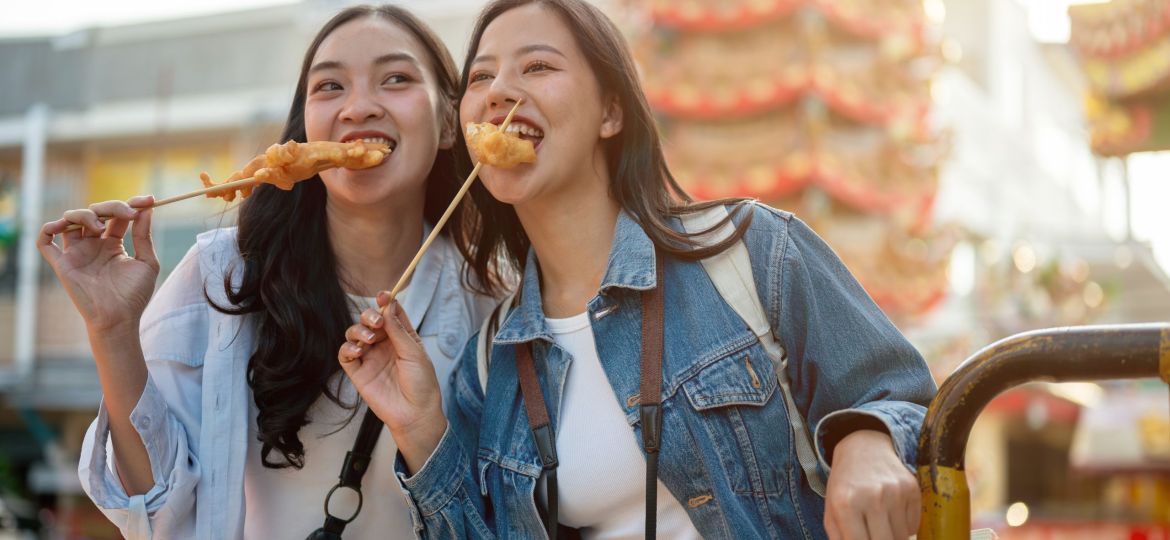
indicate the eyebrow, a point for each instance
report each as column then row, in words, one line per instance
column 384, row 59
column 523, row 50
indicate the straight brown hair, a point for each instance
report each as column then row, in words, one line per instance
column 640, row 181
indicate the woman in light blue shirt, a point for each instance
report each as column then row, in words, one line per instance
column 224, row 414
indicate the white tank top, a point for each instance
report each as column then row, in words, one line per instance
column 601, row 477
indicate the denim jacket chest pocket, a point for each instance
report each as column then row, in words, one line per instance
column 734, row 414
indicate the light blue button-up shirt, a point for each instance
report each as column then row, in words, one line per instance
column 193, row 414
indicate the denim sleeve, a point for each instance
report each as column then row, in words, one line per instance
column 444, row 496
column 851, row 368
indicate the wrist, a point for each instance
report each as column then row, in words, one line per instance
column 114, row 332
column 863, row 440
column 419, row 441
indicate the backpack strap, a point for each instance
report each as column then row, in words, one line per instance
column 731, row 272
column 487, row 335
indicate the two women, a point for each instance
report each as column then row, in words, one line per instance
column 617, row 309
column 224, row 415
column 624, row 351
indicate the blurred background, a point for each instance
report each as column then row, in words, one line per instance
column 985, row 167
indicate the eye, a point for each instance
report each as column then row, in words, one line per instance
column 326, row 86
column 478, row 76
column 539, row 65
column 397, row 78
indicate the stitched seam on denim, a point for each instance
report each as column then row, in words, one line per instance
column 530, row 470
column 744, row 341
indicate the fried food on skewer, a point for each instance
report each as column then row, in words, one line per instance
column 497, row 148
column 283, row 165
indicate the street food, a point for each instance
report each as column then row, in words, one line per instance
column 498, row 148
column 283, row 165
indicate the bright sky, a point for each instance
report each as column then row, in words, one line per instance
column 41, row 17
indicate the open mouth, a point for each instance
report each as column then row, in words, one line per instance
column 522, row 128
column 374, row 138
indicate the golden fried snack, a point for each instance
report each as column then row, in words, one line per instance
column 283, row 165
column 499, row 149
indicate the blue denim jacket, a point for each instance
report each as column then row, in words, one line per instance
column 727, row 452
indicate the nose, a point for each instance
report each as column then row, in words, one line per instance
column 503, row 93
column 360, row 106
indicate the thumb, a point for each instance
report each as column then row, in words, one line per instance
column 140, row 233
column 404, row 339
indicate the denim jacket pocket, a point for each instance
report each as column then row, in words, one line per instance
column 737, row 418
column 741, row 378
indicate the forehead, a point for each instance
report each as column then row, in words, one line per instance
column 527, row 25
column 362, row 40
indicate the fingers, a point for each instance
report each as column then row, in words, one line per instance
column 404, row 340
column 831, row 528
column 914, row 511
column 87, row 219
column 350, row 355
column 877, row 523
column 141, row 237
column 843, row 516
column 383, row 299
column 360, row 333
column 372, row 319
column 49, row 250
column 404, row 320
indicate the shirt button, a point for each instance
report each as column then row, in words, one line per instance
column 145, row 422
column 451, row 340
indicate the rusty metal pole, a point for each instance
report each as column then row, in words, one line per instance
column 1086, row 353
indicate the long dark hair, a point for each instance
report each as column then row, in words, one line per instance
column 291, row 283
column 640, row 181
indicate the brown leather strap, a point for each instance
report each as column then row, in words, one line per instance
column 653, row 312
column 651, row 392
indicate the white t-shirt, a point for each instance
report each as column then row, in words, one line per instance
column 289, row 503
column 601, row 477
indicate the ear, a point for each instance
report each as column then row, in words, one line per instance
column 448, row 127
column 611, row 119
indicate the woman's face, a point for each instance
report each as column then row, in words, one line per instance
column 369, row 80
column 529, row 53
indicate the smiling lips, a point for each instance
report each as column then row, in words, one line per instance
column 502, row 148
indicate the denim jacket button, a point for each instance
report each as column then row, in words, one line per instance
column 605, row 311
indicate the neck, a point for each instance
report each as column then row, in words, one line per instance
column 373, row 244
column 572, row 234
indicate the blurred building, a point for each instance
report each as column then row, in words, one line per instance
column 945, row 155
column 106, row 113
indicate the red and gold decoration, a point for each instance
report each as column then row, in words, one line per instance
column 816, row 106
column 1124, row 51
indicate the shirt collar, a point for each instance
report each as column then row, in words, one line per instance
column 420, row 290
column 631, row 266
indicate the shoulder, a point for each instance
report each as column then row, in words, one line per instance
column 200, row 270
column 461, row 285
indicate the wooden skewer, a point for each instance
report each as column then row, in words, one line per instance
column 443, row 220
column 162, row 202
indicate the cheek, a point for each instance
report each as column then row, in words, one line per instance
column 318, row 123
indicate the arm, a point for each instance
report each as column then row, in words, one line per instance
column 161, row 419
column 433, row 465
column 857, row 379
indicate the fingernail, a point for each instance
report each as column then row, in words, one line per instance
column 376, row 319
column 368, row 336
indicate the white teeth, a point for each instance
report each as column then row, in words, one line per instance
column 524, row 129
column 377, row 140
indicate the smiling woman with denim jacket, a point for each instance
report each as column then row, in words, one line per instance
column 611, row 287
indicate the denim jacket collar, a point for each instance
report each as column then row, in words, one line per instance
column 631, row 266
